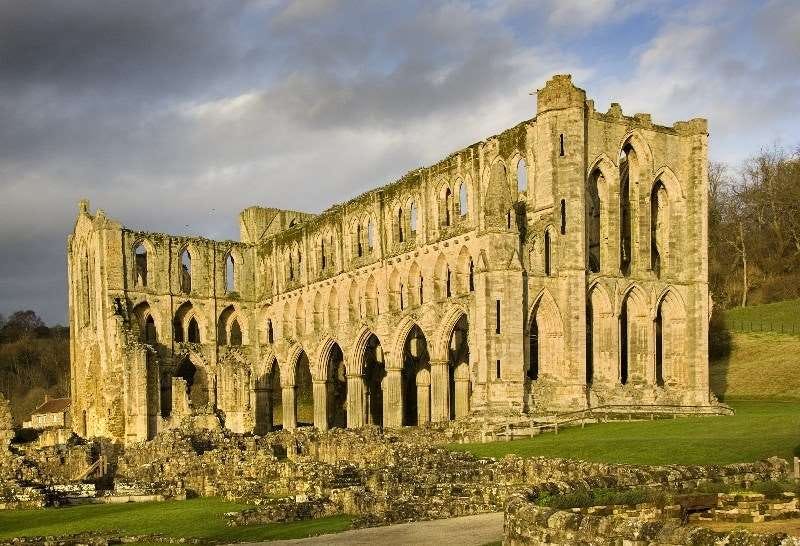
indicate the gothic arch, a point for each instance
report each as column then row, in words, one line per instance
column 292, row 356
column 148, row 264
column 319, row 318
column 441, row 338
column 545, row 350
column 333, row 308
column 642, row 148
column 403, row 328
column 395, row 296
column 356, row 356
column 441, row 273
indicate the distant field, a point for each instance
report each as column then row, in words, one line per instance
column 779, row 317
column 759, row 429
column 195, row 518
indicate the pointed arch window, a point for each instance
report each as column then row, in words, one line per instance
column 270, row 332
column 359, row 246
column 522, row 176
column 548, row 254
column 413, row 217
column 370, row 236
column 150, row 335
column 463, row 206
column 140, row 264
column 193, row 331
column 235, row 337
column 400, row 227
column 448, row 204
column 230, row 274
column 186, row 271
column 471, row 276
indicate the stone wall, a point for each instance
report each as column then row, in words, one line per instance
column 642, row 525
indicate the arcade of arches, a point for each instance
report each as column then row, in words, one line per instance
column 557, row 265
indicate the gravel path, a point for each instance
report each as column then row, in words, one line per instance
column 464, row 531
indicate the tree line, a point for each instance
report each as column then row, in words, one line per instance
column 754, row 229
column 34, row 361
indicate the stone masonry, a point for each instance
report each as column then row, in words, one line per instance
column 558, row 265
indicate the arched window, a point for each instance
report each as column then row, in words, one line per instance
column 236, row 334
column 186, row 271
column 359, row 247
column 194, row 331
column 322, row 259
column 448, row 291
column 593, row 220
column 150, row 335
column 291, row 267
column 628, row 170
column 522, row 176
column 230, row 274
column 413, row 217
column 400, row 221
column 140, row 259
column 448, row 204
column 370, row 235
column 463, row 207
column 471, row 276
column 270, row 332
column 533, row 349
column 548, row 258
column 659, row 227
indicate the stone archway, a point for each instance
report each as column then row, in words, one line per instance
column 416, row 379
column 458, row 369
column 304, row 391
column 374, row 375
column 336, row 388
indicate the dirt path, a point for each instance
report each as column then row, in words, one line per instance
column 464, row 531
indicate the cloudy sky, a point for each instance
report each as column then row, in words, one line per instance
column 174, row 115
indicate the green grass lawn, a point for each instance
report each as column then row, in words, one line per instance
column 775, row 317
column 759, row 429
column 195, row 518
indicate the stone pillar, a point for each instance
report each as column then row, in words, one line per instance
column 288, row 395
column 440, row 391
column 393, row 399
column 263, row 410
column 321, row 404
column 180, row 399
column 355, row 400
column 461, row 380
column 423, row 396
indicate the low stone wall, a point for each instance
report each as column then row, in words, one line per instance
column 529, row 524
column 750, row 508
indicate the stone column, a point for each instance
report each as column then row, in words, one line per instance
column 461, row 381
column 263, row 410
column 440, row 391
column 321, row 404
column 289, row 407
column 423, row 396
column 393, row 399
column 355, row 400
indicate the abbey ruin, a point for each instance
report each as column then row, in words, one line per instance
column 558, row 265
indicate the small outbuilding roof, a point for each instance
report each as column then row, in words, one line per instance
column 53, row 405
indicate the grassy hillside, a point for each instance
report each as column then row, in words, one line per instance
column 779, row 317
column 759, row 366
